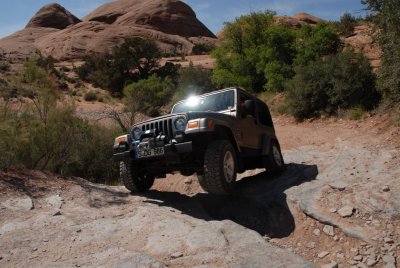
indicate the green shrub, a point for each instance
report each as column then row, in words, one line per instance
column 386, row 15
column 90, row 96
column 346, row 25
column 201, row 49
column 71, row 80
column 396, row 116
column 148, row 96
column 134, row 60
column 4, row 64
column 355, row 113
column 256, row 54
column 4, row 67
column 339, row 82
column 315, row 42
column 194, row 80
column 48, row 136
column 56, row 141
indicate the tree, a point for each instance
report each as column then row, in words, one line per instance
column 237, row 58
column 148, row 95
column 276, row 57
column 316, row 42
column 324, row 86
column 195, row 80
column 135, row 59
column 386, row 14
column 346, row 24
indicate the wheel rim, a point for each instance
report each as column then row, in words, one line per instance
column 229, row 167
column 277, row 156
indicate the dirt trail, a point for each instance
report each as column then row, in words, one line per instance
column 336, row 205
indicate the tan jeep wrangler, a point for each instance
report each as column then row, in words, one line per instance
column 215, row 135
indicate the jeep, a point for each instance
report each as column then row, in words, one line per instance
column 214, row 135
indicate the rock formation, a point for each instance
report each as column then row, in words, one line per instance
column 53, row 16
column 170, row 17
column 56, row 32
column 362, row 41
column 298, row 20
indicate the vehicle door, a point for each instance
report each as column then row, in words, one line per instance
column 247, row 131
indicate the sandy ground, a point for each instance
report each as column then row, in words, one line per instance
column 336, row 205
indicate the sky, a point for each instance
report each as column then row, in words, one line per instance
column 14, row 15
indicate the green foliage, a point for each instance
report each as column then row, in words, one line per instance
column 387, row 17
column 4, row 64
column 201, row 49
column 60, row 142
column 90, row 96
column 31, row 81
column 316, row 42
column 346, row 25
column 130, row 62
column 339, row 82
column 355, row 113
column 46, row 63
column 149, row 95
column 48, row 136
column 193, row 81
column 276, row 57
column 237, row 58
column 260, row 55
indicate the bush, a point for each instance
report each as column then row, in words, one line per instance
column 148, row 96
column 48, row 136
column 201, row 49
column 134, row 60
column 237, row 58
column 60, row 142
column 355, row 113
column 339, row 82
column 4, row 67
column 346, row 25
column 194, row 80
column 90, row 96
column 314, row 43
column 386, row 15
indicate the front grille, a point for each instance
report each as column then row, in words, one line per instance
column 162, row 126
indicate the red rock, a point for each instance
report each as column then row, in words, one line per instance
column 171, row 23
column 53, row 16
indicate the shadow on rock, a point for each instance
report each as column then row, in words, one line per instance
column 260, row 203
column 99, row 197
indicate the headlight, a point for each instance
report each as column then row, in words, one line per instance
column 120, row 139
column 137, row 133
column 180, row 123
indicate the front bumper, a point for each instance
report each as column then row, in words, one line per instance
column 169, row 149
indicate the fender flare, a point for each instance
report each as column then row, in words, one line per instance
column 266, row 142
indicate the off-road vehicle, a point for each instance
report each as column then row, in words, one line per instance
column 215, row 135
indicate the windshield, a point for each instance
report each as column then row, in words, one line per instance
column 211, row 103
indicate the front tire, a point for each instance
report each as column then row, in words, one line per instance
column 220, row 168
column 133, row 179
column 273, row 162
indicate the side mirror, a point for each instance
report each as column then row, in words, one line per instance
column 250, row 106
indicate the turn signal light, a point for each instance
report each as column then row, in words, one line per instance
column 210, row 123
column 193, row 124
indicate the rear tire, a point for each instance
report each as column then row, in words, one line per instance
column 220, row 168
column 273, row 162
column 133, row 179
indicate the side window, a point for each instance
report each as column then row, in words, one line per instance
column 243, row 99
column 264, row 116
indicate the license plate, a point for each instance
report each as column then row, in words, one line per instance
column 147, row 152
